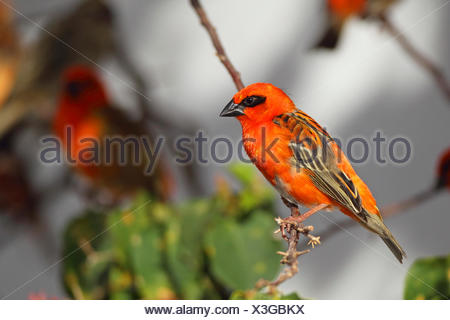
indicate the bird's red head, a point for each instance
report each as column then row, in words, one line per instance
column 83, row 88
column 346, row 8
column 258, row 103
column 82, row 94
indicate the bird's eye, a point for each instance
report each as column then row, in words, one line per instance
column 74, row 88
column 248, row 101
column 253, row 101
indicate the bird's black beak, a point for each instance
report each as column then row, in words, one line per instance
column 232, row 110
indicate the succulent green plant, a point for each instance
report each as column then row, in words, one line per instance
column 242, row 253
column 87, row 257
column 428, row 278
column 184, row 252
column 199, row 249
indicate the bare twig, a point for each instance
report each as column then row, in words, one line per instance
column 294, row 228
column 409, row 203
column 417, row 56
column 217, row 44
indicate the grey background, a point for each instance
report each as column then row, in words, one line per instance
column 368, row 84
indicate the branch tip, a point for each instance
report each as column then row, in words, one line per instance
column 220, row 51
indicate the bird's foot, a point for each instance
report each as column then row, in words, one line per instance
column 286, row 226
column 292, row 223
column 296, row 218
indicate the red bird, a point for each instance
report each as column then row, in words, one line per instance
column 340, row 11
column 304, row 163
column 84, row 107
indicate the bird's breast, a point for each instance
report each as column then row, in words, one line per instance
column 268, row 149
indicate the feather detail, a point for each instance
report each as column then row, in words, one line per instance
column 312, row 153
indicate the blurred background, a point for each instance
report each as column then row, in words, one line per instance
column 366, row 84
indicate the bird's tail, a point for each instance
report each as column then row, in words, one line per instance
column 394, row 246
column 375, row 224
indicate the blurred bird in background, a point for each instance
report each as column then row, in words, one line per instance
column 84, row 107
column 300, row 159
column 29, row 79
column 340, row 11
column 84, row 35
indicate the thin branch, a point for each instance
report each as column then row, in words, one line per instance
column 294, row 228
column 221, row 54
column 409, row 203
column 417, row 56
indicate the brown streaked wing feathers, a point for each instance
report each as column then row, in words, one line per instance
column 312, row 153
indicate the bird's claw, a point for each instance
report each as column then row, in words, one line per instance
column 284, row 228
column 290, row 223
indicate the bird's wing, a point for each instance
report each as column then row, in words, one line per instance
column 133, row 174
column 312, row 153
column 120, row 122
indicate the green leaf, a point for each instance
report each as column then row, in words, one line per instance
column 153, row 250
column 258, row 295
column 184, row 248
column 87, row 257
column 254, row 193
column 250, row 295
column 428, row 278
column 291, row 296
column 152, row 280
column 123, row 224
column 245, row 173
column 255, row 198
column 241, row 254
column 120, row 284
